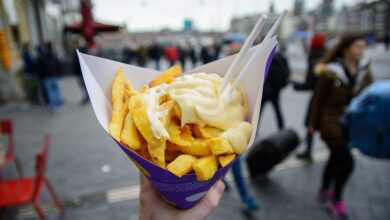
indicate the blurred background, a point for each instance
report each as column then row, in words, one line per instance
column 91, row 175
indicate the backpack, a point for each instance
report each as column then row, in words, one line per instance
column 368, row 121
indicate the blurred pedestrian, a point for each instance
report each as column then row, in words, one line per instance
column 192, row 53
column 152, row 206
column 142, row 53
column 317, row 51
column 216, row 49
column 340, row 79
column 30, row 77
column 42, row 95
column 171, row 54
column 246, row 198
column 49, row 68
column 81, row 46
column 155, row 53
column 128, row 54
column 277, row 79
column 183, row 53
column 206, row 54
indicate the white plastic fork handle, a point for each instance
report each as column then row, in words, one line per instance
column 236, row 62
column 245, row 70
column 257, row 52
column 276, row 25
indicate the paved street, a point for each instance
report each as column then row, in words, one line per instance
column 97, row 181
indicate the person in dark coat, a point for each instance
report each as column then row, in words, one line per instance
column 155, row 53
column 193, row 55
column 276, row 80
column 30, row 77
column 49, row 69
column 340, row 77
column 206, row 54
column 183, row 53
column 317, row 51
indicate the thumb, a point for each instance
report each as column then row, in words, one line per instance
column 209, row 202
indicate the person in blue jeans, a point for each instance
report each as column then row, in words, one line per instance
column 241, row 185
column 49, row 68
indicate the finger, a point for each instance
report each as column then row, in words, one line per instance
column 146, row 189
column 209, row 202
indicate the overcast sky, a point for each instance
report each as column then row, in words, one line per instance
column 144, row 15
column 141, row 15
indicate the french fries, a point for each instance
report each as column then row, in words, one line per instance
column 156, row 146
column 205, row 167
column 168, row 76
column 205, row 132
column 118, row 107
column 225, row 160
column 189, row 148
column 181, row 165
column 219, row 145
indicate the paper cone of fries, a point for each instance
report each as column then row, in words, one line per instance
column 186, row 191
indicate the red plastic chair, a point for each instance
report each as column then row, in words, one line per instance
column 23, row 191
column 6, row 129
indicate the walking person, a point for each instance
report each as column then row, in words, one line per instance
column 30, row 75
column 192, row 53
column 171, row 54
column 49, row 69
column 183, row 53
column 317, row 51
column 277, row 79
column 340, row 78
column 155, row 53
column 141, row 54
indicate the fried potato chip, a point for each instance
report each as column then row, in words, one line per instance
column 144, row 152
column 171, row 152
column 178, row 135
column 198, row 147
column 156, row 146
column 167, row 77
column 220, row 145
column 205, row 167
column 181, row 165
column 118, row 106
column 205, row 132
column 130, row 135
column 225, row 160
column 167, row 107
column 129, row 90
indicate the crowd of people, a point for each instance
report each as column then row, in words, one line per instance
column 40, row 76
column 174, row 53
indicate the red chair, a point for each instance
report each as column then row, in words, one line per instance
column 23, row 191
column 6, row 129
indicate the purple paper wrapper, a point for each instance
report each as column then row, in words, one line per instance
column 183, row 192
